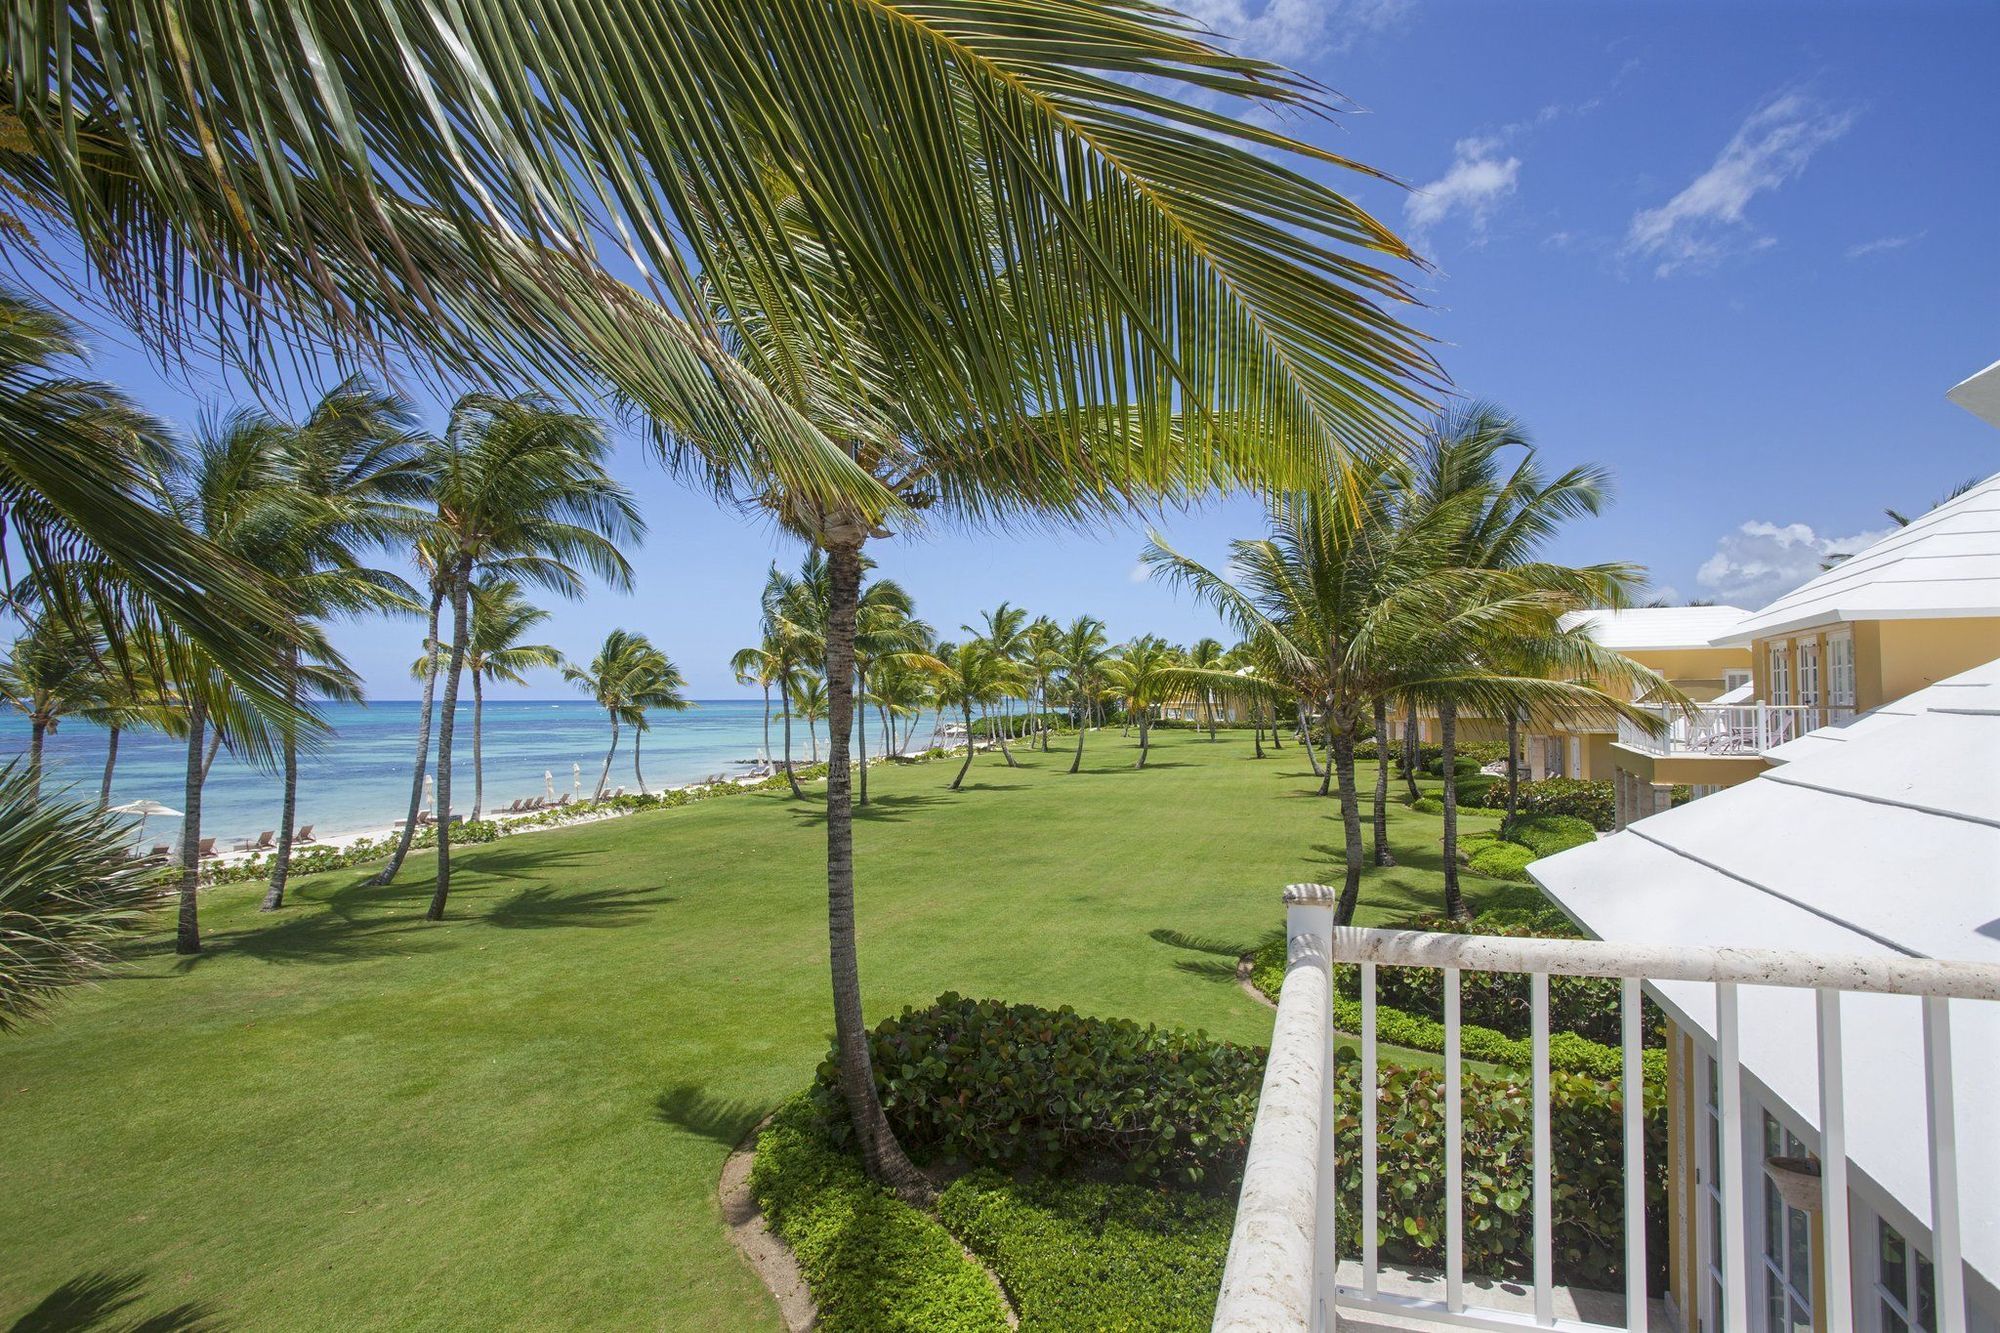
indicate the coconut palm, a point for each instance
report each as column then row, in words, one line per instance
column 1083, row 651
column 1041, row 655
column 125, row 699
column 971, row 674
column 520, row 490
column 501, row 617
column 622, row 680
column 351, row 473
column 809, row 705
column 70, row 893
column 660, row 685
column 886, row 630
column 758, row 665
column 793, row 618
column 1005, row 631
column 1206, row 655
column 1141, row 677
column 50, row 672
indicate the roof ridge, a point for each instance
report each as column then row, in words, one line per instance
column 1791, row 781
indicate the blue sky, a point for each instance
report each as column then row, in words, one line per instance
column 1736, row 253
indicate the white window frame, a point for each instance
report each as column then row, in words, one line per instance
column 1780, row 1266
column 1840, row 670
column 1886, row 1302
column 1807, row 651
column 1735, row 678
column 1780, row 659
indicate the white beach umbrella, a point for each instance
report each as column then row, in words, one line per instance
column 576, row 777
column 430, row 794
column 549, row 784
column 145, row 810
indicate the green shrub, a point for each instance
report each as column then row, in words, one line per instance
column 1588, row 1187
column 1014, row 1085
column 1501, row 860
column 1545, row 835
column 1472, row 790
column 1591, row 802
column 873, row 1262
column 1079, row 1254
column 1427, row 805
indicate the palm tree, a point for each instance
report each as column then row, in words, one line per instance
column 81, row 474
column 1042, row 655
column 809, row 705
column 50, row 672
column 1059, row 330
column 121, row 701
column 1206, row 655
column 1005, row 631
column 1141, row 677
column 521, row 490
column 501, row 617
column 1083, row 651
column 793, row 619
column 758, row 665
column 70, row 893
column 660, row 685
column 969, row 674
column 625, row 671
column 885, row 630
column 351, row 470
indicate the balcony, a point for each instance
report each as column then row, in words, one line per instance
column 1728, row 730
column 1286, row 1272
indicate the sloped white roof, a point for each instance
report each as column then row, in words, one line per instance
column 1979, row 394
column 1657, row 627
column 1884, row 841
column 1946, row 563
column 1966, row 690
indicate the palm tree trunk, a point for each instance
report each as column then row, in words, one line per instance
column 1208, row 707
column 1324, row 774
column 785, row 701
column 1454, row 898
column 964, row 767
column 214, row 745
column 1257, row 724
column 1000, row 734
column 478, row 743
column 460, row 629
column 110, row 766
column 861, row 731
column 1513, row 766
column 880, row 1153
column 1410, row 752
column 604, row 776
column 1340, row 736
column 1382, row 856
column 638, row 734
column 288, row 803
column 812, row 730
column 767, row 722
column 37, row 730
column 1145, row 732
column 1076, row 762
column 1275, row 745
column 187, row 930
column 423, row 740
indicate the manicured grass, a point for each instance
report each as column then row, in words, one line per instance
column 342, row 1116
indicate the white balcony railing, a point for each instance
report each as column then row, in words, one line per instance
column 1284, row 1273
column 1729, row 729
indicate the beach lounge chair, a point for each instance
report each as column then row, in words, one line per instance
column 564, row 800
column 619, row 792
column 204, row 849
column 305, row 834
column 257, row 844
column 160, row 852
column 513, row 808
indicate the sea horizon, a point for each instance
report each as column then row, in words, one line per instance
column 358, row 779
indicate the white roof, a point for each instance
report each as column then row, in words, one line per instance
column 1657, row 627
column 1979, row 394
column 1886, row 840
column 1946, row 563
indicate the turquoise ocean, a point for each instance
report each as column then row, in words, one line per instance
column 360, row 777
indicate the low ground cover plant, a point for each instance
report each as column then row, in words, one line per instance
column 1589, row 801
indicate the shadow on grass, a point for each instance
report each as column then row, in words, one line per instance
column 691, row 1107
column 879, row 810
column 97, row 1301
column 1180, row 939
column 542, row 908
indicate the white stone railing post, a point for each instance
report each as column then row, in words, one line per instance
column 1279, row 1275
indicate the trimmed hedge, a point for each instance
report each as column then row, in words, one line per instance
column 1079, row 1254
column 1014, row 1085
column 1501, row 860
column 875, row 1264
column 1591, row 802
column 1433, row 805
column 1545, row 834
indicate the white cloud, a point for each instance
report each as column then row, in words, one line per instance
column 1762, row 561
column 1141, row 573
column 1475, row 183
column 1706, row 221
column 1291, row 31
column 1882, row 244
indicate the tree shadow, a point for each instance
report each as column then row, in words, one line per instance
column 1180, row 939
column 543, row 907
column 691, row 1107
column 93, row 1301
column 879, row 810
column 1208, row 969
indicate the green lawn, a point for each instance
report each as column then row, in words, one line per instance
column 343, row 1116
